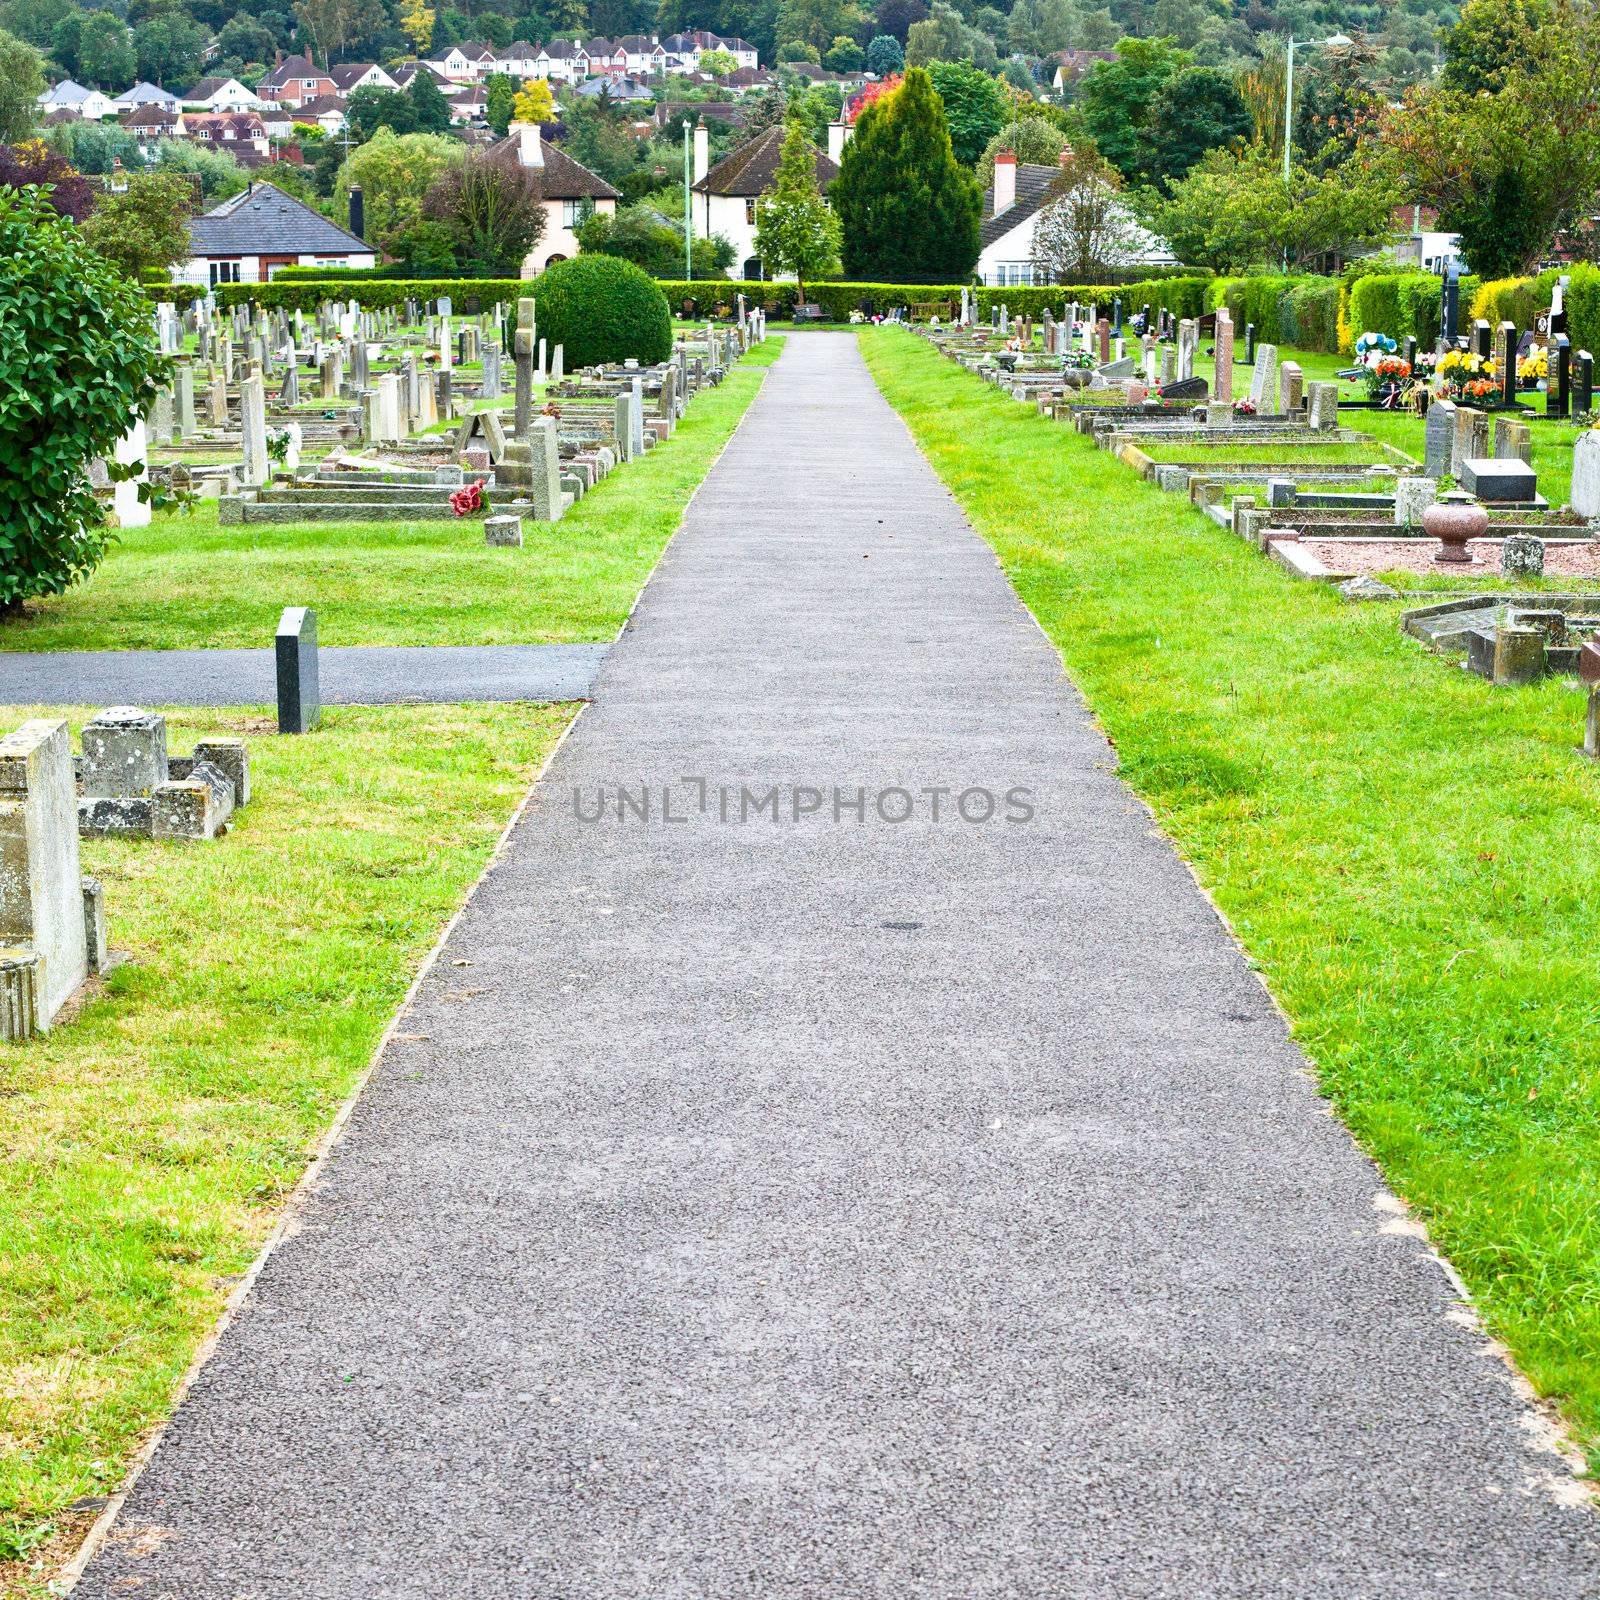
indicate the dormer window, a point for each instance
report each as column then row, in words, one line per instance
column 308, row 84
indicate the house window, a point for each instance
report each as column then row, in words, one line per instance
column 224, row 272
column 571, row 213
column 309, row 85
column 750, row 213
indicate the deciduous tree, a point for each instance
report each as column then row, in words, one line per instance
column 975, row 107
column 795, row 230
column 140, row 228
column 1084, row 231
column 21, row 84
column 493, row 213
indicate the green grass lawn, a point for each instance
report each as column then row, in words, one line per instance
column 1552, row 441
column 150, row 1143
column 1245, row 455
column 1411, row 856
column 186, row 582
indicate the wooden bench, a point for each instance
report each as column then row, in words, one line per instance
column 804, row 312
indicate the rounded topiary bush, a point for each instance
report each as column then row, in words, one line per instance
column 602, row 309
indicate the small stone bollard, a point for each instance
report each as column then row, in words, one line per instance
column 299, row 692
column 1522, row 556
column 505, row 531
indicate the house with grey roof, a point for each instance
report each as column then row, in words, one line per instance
column 147, row 94
column 250, row 235
column 220, row 94
column 70, row 99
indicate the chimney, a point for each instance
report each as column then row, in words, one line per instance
column 1005, row 181
column 838, row 136
column 530, row 148
column 358, row 212
column 702, row 150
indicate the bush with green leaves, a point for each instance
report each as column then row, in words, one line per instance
column 78, row 364
column 601, row 308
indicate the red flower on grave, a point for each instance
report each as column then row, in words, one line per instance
column 467, row 499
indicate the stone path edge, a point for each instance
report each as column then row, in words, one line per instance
column 1554, row 1432
column 72, row 1570
column 68, row 1574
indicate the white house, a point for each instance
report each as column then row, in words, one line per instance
column 221, row 95
column 1011, row 209
column 355, row 75
column 725, row 196
column 147, row 94
column 76, row 101
column 570, row 191
column 250, row 235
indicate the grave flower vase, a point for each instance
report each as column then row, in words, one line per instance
column 1453, row 524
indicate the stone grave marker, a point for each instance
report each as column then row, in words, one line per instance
column 1586, row 474
column 44, row 937
column 1438, row 439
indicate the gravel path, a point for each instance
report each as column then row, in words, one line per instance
column 350, row 675
column 926, row 1210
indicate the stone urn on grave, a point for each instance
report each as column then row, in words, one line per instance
column 1453, row 523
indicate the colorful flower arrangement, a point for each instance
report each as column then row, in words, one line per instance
column 1459, row 374
column 1244, row 408
column 1535, row 366
column 1077, row 360
column 468, row 500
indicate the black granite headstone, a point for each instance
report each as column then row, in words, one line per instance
column 1408, row 353
column 1185, row 389
column 1558, row 393
column 1450, row 305
column 1482, row 338
column 1116, row 315
column 1249, row 344
column 299, row 692
column 1582, row 383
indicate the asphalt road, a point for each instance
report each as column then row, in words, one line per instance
column 827, row 1207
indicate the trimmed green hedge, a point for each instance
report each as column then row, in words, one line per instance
column 1183, row 296
column 601, row 308
column 373, row 294
column 175, row 294
column 339, row 274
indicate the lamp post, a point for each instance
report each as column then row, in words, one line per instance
column 1288, row 91
column 688, row 207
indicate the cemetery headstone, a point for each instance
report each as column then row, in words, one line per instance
column 1264, row 378
column 1522, row 556
column 299, row 687
column 42, row 924
column 1586, row 474
column 1582, row 383
column 1438, row 439
column 1223, row 387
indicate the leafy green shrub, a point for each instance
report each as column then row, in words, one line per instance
column 602, row 308
column 78, row 364
column 1583, row 307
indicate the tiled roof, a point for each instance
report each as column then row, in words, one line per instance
column 1033, row 182
column 324, row 105
column 349, row 73
column 293, row 67
column 206, row 88
column 266, row 221
column 753, row 167
column 563, row 178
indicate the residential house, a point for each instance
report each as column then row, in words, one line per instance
column 725, row 196
column 294, row 81
column 1011, row 208
column 68, row 99
column 151, row 126
column 353, row 75
column 1070, row 65
column 147, row 94
column 233, row 131
column 565, row 63
column 462, row 63
column 674, row 113
column 745, row 79
column 644, row 57
column 469, row 105
column 404, row 74
column 569, row 188
column 250, row 235
column 219, row 95
column 328, row 112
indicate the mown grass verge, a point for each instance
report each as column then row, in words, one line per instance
column 1411, row 856
column 186, row 582
column 150, row 1143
